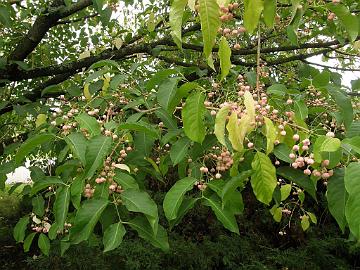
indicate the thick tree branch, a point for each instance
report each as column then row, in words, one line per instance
column 77, row 20
column 41, row 26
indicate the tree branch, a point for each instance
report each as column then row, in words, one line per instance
column 41, row 26
column 329, row 67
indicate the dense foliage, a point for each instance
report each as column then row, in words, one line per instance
column 203, row 100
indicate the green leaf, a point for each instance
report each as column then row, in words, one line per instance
column 5, row 17
column 344, row 103
column 282, row 152
column 301, row 111
column 89, row 123
column 210, row 22
column 348, row 20
column 234, row 131
column 253, row 9
column 193, row 115
column 285, row 191
column 141, row 127
column 166, row 93
column 352, row 144
column 263, row 179
column 30, row 144
column 305, row 222
column 76, row 189
column 330, row 145
column 354, row 129
column 175, row 18
column 299, row 178
column 38, row 204
column 167, row 119
column 44, row 183
column 44, row 244
column 52, row 234
column 269, row 12
column 250, row 107
column 86, row 218
column 113, row 236
column 220, row 121
column 40, row 119
column 312, row 217
column 78, row 145
column 270, row 134
column 276, row 213
column 61, row 205
column 224, row 55
column 28, row 241
column 20, row 228
column 140, row 202
column 142, row 226
column 96, row 152
column 225, row 216
column 277, row 89
column 186, row 205
column 125, row 181
column 179, row 150
column 174, row 197
column 231, row 185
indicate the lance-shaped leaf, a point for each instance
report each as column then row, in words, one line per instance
column 86, row 218
column 348, row 20
column 20, row 228
column 231, row 185
column 141, row 127
column 31, row 144
column 220, row 122
column 263, row 179
column 193, row 115
column 61, row 205
column 166, row 93
column 337, row 196
column 224, row 215
column 234, row 132
column 96, row 152
column 301, row 111
column 142, row 226
column 174, row 197
column 140, row 202
column 250, row 108
column 44, row 244
column 186, row 205
column 270, row 134
column 179, row 150
column 175, row 18
column 269, row 12
column 253, row 9
column 113, row 236
column 89, row 123
column 28, row 241
column 224, row 55
column 125, row 181
column 210, row 23
column 352, row 208
column 78, row 145
column 44, row 183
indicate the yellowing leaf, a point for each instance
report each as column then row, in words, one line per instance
column 270, row 133
column 87, row 94
column 249, row 105
column 233, row 129
column 118, row 42
column 40, row 119
column 106, row 84
column 85, row 54
column 224, row 55
column 122, row 167
column 220, row 122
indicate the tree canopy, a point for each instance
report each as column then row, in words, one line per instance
column 201, row 100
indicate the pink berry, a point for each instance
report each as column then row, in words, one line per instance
column 296, row 137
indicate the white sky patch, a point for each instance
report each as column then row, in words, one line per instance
column 347, row 76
